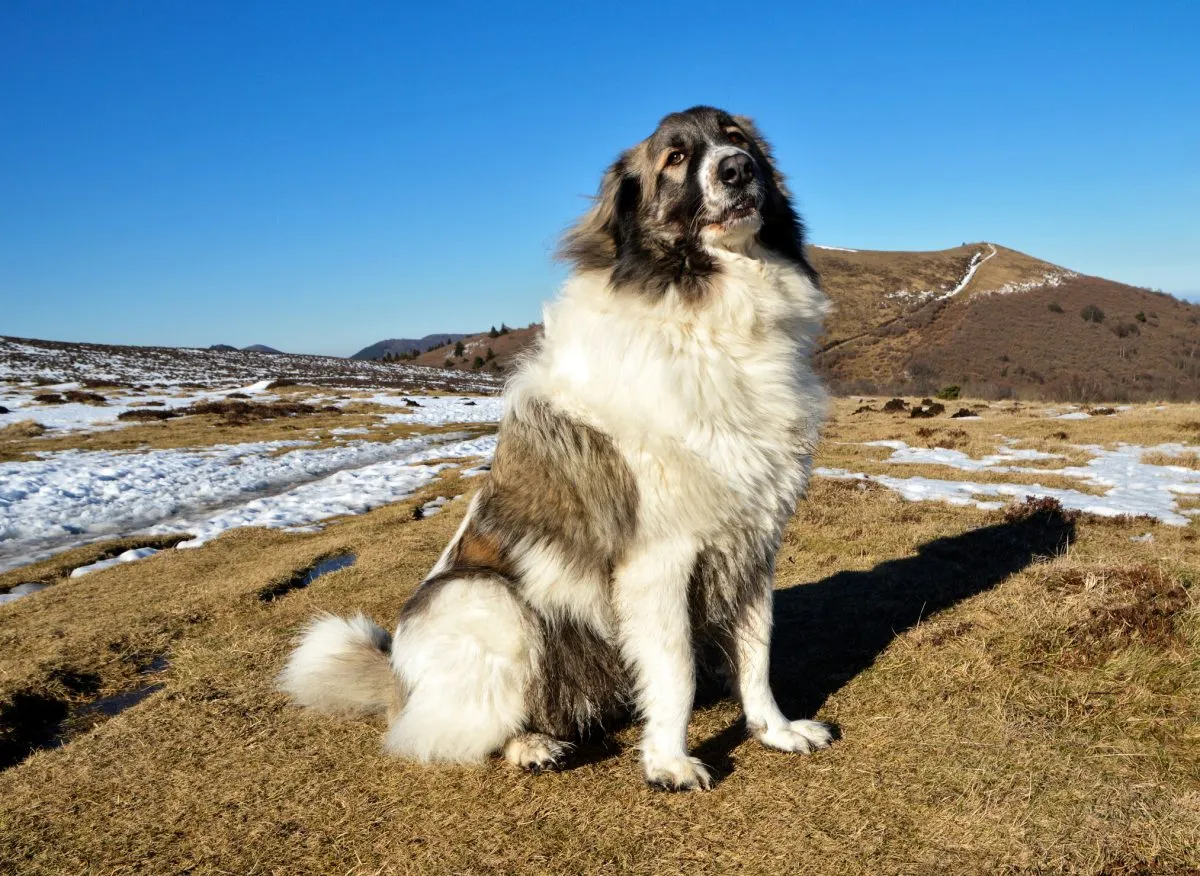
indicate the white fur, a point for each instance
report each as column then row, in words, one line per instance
column 340, row 666
column 553, row 584
column 715, row 409
column 465, row 663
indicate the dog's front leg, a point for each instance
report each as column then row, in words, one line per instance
column 752, row 653
column 654, row 633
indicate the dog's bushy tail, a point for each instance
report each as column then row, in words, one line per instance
column 342, row 665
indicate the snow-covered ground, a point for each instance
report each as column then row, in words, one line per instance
column 1048, row 279
column 61, row 499
column 22, row 405
column 1130, row 485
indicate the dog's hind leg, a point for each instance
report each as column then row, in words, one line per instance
column 464, row 652
column 752, row 655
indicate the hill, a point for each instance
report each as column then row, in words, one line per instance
column 260, row 348
column 1000, row 323
column 504, row 345
column 405, row 346
column 992, row 320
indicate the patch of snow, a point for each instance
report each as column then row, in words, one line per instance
column 21, row 590
column 999, row 461
column 834, row 248
column 1049, row 278
column 1132, row 487
column 434, row 410
column 1074, row 415
column 977, row 261
column 351, row 491
column 433, row 506
column 1144, row 538
column 127, row 557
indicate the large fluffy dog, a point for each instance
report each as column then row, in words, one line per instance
column 652, row 450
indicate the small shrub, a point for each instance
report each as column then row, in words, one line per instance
column 949, row 393
column 1092, row 313
column 478, row 363
column 1054, row 307
column 449, row 363
column 458, row 349
column 84, row 398
column 50, row 398
column 146, row 414
column 490, row 354
column 895, row 406
column 1140, row 316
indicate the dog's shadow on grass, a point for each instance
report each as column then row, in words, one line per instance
column 829, row 631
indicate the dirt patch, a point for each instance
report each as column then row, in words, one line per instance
column 236, row 412
column 146, row 414
column 1138, row 605
column 86, row 398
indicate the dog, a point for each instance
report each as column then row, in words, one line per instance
column 654, row 444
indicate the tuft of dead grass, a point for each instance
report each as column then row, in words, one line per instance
column 22, row 429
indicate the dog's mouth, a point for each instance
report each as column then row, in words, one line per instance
column 744, row 211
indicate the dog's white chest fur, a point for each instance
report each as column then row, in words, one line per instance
column 713, row 404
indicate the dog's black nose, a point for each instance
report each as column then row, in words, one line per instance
column 736, row 169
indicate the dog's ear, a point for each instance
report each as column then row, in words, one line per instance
column 594, row 243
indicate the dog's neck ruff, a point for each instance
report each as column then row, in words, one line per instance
column 634, row 364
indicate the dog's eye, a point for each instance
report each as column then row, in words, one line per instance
column 677, row 156
column 737, row 138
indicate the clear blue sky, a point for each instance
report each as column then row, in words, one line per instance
column 320, row 176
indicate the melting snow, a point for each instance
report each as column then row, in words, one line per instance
column 1131, row 486
column 127, row 557
column 21, row 590
column 70, row 497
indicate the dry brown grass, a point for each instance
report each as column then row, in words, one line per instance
column 1016, row 693
column 1187, row 460
column 21, row 429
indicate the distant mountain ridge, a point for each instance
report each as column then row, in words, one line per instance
column 404, row 346
column 253, row 348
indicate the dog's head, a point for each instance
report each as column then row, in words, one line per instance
column 703, row 180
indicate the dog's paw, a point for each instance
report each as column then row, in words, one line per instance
column 535, row 752
column 681, row 773
column 800, row 736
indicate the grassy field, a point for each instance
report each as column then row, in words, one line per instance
column 1017, row 690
